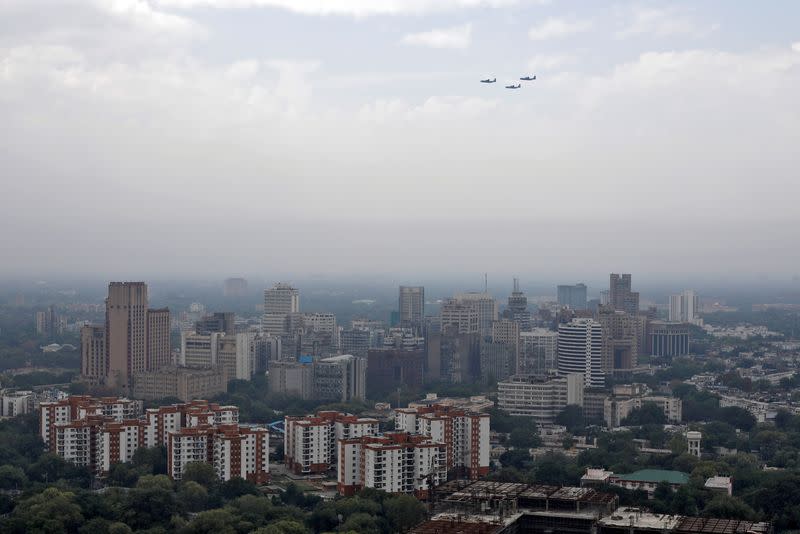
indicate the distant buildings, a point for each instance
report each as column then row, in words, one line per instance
column 49, row 323
column 238, row 355
column 135, row 338
column 620, row 296
column 572, row 296
column 620, row 339
column 668, row 339
column 463, row 316
column 218, row 322
column 484, row 305
column 340, row 378
column 411, row 306
column 280, row 301
column 453, row 355
column 538, row 397
column 235, row 287
column 580, row 350
column 182, row 383
column 389, row 369
column 517, row 309
column 538, row 351
column 685, row 307
column 628, row 397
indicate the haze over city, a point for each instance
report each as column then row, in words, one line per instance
column 205, row 137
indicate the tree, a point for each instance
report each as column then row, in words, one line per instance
column 403, row 512
column 649, row 414
column 284, row 526
column 572, row 418
column 526, row 436
column 193, row 496
column 236, row 487
column 219, row 521
column 517, row 458
column 12, row 477
column 737, row 418
column 201, row 472
column 52, row 511
column 727, row 507
column 359, row 522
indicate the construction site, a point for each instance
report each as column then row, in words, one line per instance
column 487, row 507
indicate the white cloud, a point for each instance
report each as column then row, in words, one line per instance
column 454, row 37
column 555, row 27
column 549, row 61
column 143, row 15
column 357, row 8
column 796, row 46
column 662, row 22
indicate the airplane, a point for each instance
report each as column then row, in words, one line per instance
column 514, row 86
column 487, row 80
column 527, row 78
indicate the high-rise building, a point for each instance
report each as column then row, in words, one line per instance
column 537, row 355
column 93, row 354
column 573, row 297
column 292, row 378
column 340, row 378
column 280, row 301
column 684, row 307
column 517, row 309
column 235, row 287
column 485, row 306
column 218, row 322
column 183, row 383
column 49, row 323
column 355, row 342
column 238, row 356
column 620, row 339
column 137, row 338
column 411, row 306
column 580, row 350
column 620, row 296
column 389, row 369
column 464, row 316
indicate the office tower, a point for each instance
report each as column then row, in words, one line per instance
column 325, row 328
column 411, row 306
column 235, row 287
column 355, row 342
column 580, row 350
column 389, row 369
column 159, row 353
column 340, row 378
column 218, row 322
column 684, row 307
column 537, row 354
column 279, row 302
column 93, row 354
column 498, row 361
column 454, row 356
column 485, row 306
column 603, row 300
column 464, row 316
column 518, row 308
column 183, row 383
column 292, row 378
column 573, row 297
column 237, row 356
column 668, row 339
column 620, row 339
column 620, row 296
column 126, row 331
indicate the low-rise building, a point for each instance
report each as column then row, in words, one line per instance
column 616, row 409
column 14, row 403
column 540, row 398
column 720, row 485
column 183, row 383
column 643, row 479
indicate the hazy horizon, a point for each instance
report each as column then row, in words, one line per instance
column 203, row 138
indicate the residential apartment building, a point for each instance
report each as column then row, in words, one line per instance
column 310, row 442
column 465, row 435
column 396, row 462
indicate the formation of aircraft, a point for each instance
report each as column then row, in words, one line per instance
column 512, row 86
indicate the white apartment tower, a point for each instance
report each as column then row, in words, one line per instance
column 684, row 307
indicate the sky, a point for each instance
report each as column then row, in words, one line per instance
column 296, row 137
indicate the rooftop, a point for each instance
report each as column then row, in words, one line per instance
column 655, row 475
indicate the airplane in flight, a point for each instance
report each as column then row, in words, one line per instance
column 528, row 78
column 487, row 80
column 514, row 86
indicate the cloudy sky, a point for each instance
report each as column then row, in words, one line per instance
column 338, row 136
